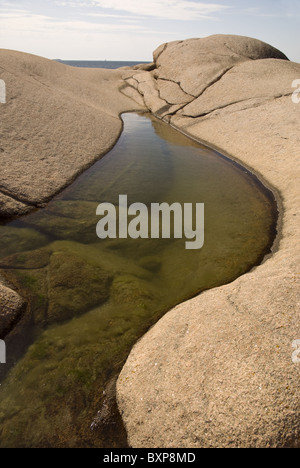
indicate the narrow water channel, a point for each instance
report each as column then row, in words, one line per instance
column 91, row 299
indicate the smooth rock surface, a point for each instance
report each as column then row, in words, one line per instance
column 217, row 371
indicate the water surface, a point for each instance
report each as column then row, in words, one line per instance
column 108, row 64
column 91, row 299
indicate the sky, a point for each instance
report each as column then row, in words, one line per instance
column 132, row 29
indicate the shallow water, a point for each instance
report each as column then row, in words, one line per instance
column 91, row 299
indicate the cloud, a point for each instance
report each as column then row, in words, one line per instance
column 185, row 10
column 121, row 18
column 22, row 21
column 74, row 39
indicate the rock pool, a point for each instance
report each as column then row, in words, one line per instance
column 90, row 300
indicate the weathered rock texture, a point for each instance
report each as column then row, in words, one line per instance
column 217, row 371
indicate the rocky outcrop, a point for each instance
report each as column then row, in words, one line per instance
column 187, row 73
column 217, row 371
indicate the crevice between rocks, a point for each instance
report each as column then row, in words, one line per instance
column 177, row 83
column 160, row 53
column 18, row 199
column 266, row 99
column 215, row 80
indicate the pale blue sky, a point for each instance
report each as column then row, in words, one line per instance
column 132, row 29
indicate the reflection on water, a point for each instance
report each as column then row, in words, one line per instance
column 91, row 299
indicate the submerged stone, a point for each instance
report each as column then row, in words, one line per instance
column 14, row 239
column 70, row 220
column 74, row 286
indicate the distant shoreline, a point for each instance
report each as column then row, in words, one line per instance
column 108, row 64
